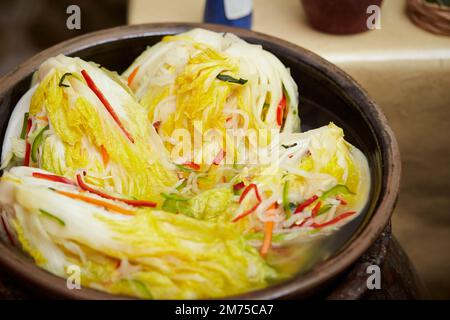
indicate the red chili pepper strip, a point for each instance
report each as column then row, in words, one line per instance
column 246, row 213
column 268, row 231
column 105, row 102
column 243, row 195
column 192, row 165
column 316, row 209
column 305, row 203
column 333, row 221
column 156, row 125
column 280, row 110
column 218, row 159
column 239, row 186
column 135, row 203
column 52, row 177
column 247, row 190
column 26, row 161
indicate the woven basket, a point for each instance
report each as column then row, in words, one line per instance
column 429, row 16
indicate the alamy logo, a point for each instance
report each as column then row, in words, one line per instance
column 374, row 280
column 73, row 22
column 374, row 20
column 74, row 277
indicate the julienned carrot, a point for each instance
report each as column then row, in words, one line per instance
column 105, row 155
column 44, row 118
column 136, row 203
column 342, row 200
column 273, row 206
column 105, row 103
column 132, row 75
column 96, row 202
column 268, row 230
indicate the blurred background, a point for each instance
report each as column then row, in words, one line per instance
column 404, row 64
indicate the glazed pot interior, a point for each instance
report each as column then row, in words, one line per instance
column 326, row 94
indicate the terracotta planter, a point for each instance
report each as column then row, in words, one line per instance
column 338, row 16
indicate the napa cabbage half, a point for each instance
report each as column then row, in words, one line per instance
column 82, row 130
column 322, row 158
column 176, row 81
column 153, row 254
